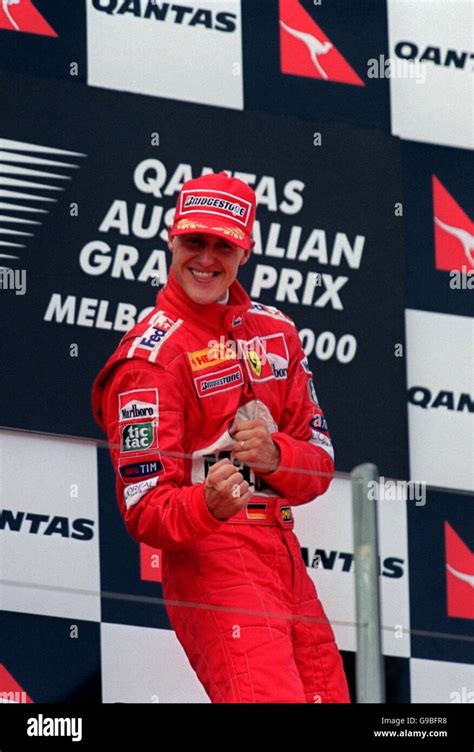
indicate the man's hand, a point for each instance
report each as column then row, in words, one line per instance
column 226, row 490
column 254, row 446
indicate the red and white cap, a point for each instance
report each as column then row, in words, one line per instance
column 219, row 205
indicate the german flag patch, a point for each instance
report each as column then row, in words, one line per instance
column 256, row 511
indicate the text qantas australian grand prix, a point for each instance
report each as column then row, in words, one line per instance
column 286, row 240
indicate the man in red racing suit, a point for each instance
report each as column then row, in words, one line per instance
column 215, row 432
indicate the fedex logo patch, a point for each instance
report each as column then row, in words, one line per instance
column 153, row 336
column 159, row 327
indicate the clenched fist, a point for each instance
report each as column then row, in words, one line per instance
column 254, row 446
column 225, row 490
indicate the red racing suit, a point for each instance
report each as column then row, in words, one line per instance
column 237, row 592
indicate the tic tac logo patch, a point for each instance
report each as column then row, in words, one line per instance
column 137, row 437
column 135, row 470
column 138, row 403
column 219, row 381
column 200, row 359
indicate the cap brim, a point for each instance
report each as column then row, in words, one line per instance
column 202, row 225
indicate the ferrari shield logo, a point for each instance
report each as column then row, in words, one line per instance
column 255, row 362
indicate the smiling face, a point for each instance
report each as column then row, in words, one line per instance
column 205, row 265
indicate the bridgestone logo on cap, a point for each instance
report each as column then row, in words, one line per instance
column 220, row 203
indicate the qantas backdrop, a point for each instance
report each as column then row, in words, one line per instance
column 352, row 121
